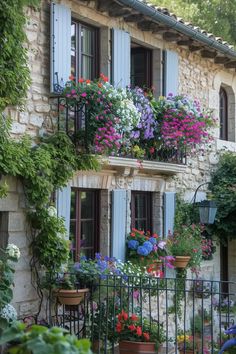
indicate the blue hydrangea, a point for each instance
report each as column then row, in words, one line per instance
column 148, row 245
column 133, row 244
column 142, row 251
column 153, row 240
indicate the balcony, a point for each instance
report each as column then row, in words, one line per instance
column 78, row 123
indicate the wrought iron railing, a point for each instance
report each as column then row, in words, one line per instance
column 75, row 120
column 198, row 308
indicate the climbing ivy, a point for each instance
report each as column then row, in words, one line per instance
column 14, row 71
column 42, row 168
column 223, row 188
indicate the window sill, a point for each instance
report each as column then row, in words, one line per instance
column 149, row 167
column 225, row 145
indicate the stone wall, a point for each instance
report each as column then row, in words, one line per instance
column 198, row 77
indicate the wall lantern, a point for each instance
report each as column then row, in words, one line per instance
column 207, row 208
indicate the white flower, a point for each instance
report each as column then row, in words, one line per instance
column 52, row 211
column 162, row 245
column 8, row 312
column 13, row 251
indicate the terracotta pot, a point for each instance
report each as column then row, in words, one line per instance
column 128, row 347
column 181, row 261
column 70, row 297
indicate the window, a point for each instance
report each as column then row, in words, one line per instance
column 223, row 114
column 141, row 67
column 84, row 53
column 141, row 211
column 84, row 222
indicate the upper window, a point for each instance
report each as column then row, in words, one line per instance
column 223, row 114
column 141, row 67
column 84, row 222
column 84, row 53
column 141, row 211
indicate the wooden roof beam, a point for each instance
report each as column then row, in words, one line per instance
column 208, row 54
column 171, row 36
column 221, row 60
column 230, row 65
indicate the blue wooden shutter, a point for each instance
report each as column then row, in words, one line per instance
column 63, row 206
column 60, row 42
column 118, row 224
column 171, row 73
column 121, row 49
column 169, row 212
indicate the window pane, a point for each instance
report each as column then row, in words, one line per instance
column 73, row 49
column 87, row 205
column 87, row 67
column 140, row 206
column 73, row 205
column 141, row 225
column 87, row 41
column 73, row 238
column 87, row 234
column 141, row 67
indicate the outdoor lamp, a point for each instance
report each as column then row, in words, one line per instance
column 207, row 208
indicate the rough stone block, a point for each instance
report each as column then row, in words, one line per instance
column 19, row 239
column 37, row 121
column 10, row 203
column 23, row 290
column 28, row 308
column 16, row 221
column 32, row 36
column 42, row 108
column 24, row 117
column 18, row 128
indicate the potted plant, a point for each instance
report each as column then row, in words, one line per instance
column 135, row 336
column 148, row 251
column 186, row 344
column 185, row 246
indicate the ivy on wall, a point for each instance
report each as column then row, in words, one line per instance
column 223, row 188
column 43, row 168
column 14, row 71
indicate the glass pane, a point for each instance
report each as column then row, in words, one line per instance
column 87, row 234
column 73, row 238
column 89, row 253
column 87, row 205
column 73, row 205
column 141, row 225
column 87, row 67
column 73, row 49
column 140, row 206
column 87, row 40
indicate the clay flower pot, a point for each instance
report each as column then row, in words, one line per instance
column 128, row 347
column 70, row 297
column 181, row 261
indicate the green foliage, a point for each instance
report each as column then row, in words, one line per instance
column 215, row 16
column 39, row 339
column 14, row 72
column 223, row 188
column 43, row 169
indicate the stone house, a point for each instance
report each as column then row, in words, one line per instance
column 135, row 43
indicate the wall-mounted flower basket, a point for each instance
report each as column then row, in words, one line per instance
column 181, row 261
column 127, row 347
column 71, row 297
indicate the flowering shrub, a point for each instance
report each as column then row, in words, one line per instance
column 146, row 249
column 129, row 327
column 183, row 122
column 8, row 257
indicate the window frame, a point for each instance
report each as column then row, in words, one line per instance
column 78, row 51
column 148, row 67
column 78, row 220
column 223, row 110
column 149, row 209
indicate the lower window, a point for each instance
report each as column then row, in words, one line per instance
column 84, row 222
column 141, row 211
